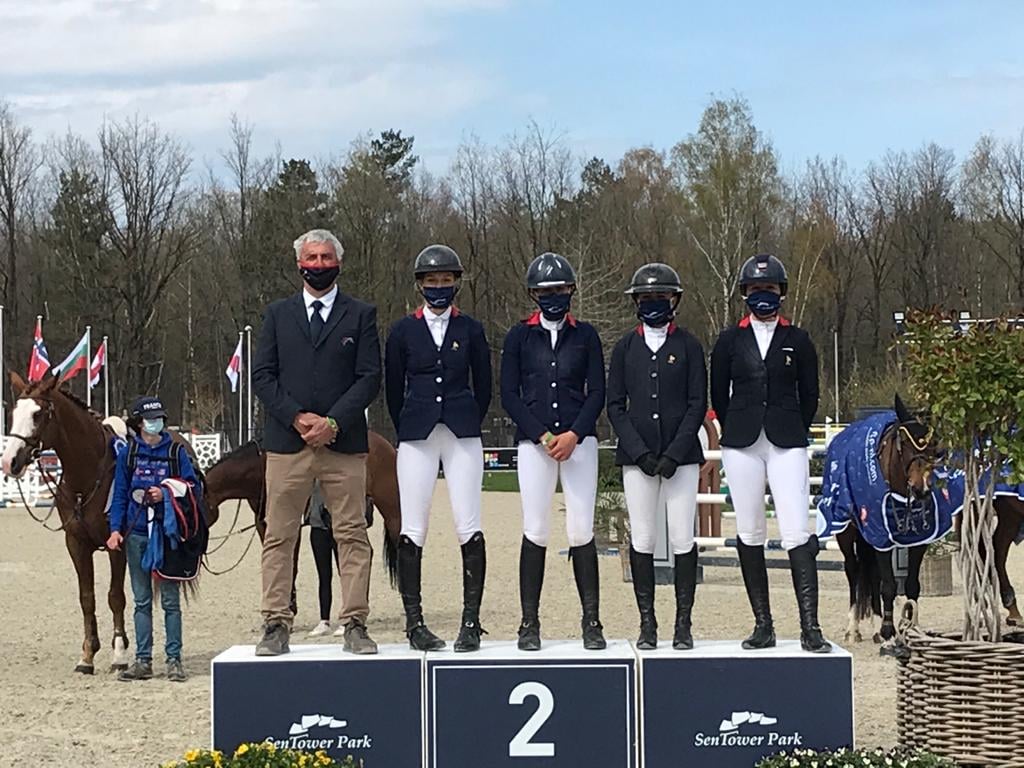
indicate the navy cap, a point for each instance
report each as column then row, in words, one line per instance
column 148, row 407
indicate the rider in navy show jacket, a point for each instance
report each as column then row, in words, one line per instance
column 425, row 387
column 552, row 390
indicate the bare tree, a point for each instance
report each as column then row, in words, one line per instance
column 151, row 231
column 19, row 161
column 728, row 176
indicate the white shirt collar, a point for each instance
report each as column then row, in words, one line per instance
column 327, row 300
column 650, row 330
column 432, row 318
column 764, row 325
column 551, row 325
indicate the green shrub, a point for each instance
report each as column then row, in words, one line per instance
column 855, row 758
column 259, row 755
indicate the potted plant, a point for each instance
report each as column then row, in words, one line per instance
column 958, row 693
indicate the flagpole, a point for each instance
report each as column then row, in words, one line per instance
column 240, row 419
column 88, row 364
column 248, row 373
column 106, row 380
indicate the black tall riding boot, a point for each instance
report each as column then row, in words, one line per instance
column 642, row 567
column 409, row 560
column 686, row 591
column 755, row 579
column 805, row 583
column 531, row 579
column 474, row 566
column 584, row 568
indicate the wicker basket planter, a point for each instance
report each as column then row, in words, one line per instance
column 937, row 576
column 962, row 700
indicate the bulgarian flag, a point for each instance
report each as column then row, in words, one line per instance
column 77, row 361
column 99, row 363
column 235, row 366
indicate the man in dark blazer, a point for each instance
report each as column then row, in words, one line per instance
column 316, row 370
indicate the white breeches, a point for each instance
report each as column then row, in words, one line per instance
column 463, row 461
column 538, row 477
column 645, row 495
column 788, row 474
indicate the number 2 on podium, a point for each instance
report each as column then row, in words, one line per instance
column 521, row 746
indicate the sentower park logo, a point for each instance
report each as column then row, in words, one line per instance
column 748, row 729
column 317, row 731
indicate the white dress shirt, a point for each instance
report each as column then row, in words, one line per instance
column 437, row 324
column 327, row 301
column 552, row 327
column 654, row 338
column 763, row 332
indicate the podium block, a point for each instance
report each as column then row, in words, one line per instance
column 317, row 697
column 560, row 706
column 719, row 706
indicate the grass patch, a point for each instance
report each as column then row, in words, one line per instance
column 505, row 481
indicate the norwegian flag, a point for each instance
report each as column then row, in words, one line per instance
column 234, row 367
column 39, row 362
column 99, row 363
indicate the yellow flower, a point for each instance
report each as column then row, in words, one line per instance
column 191, row 755
column 270, row 747
column 242, row 749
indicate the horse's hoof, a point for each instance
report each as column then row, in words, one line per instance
column 887, row 649
column 877, row 638
column 118, row 667
column 1014, row 621
column 85, row 669
column 855, row 637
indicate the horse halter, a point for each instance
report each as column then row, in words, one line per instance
column 35, row 442
column 919, row 443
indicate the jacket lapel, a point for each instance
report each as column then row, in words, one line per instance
column 778, row 339
column 338, row 310
column 298, row 309
column 748, row 342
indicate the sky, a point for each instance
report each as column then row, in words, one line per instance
column 852, row 79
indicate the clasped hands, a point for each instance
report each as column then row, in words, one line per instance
column 652, row 465
column 316, row 430
column 560, row 447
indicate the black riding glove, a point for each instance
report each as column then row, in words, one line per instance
column 667, row 467
column 648, row 464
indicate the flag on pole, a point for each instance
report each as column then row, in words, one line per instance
column 235, row 366
column 77, row 360
column 39, row 362
column 99, row 363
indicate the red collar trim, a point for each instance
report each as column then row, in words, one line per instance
column 534, row 319
column 671, row 329
column 745, row 322
column 420, row 311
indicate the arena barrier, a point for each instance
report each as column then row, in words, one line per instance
column 715, row 706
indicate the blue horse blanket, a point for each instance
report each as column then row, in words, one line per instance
column 854, row 491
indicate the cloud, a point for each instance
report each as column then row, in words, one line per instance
column 295, row 68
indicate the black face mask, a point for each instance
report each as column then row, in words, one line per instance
column 320, row 278
column 555, row 306
column 655, row 312
column 439, row 297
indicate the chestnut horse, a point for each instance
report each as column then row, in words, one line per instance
column 44, row 418
column 240, row 475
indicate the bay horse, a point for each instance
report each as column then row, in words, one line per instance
column 46, row 417
column 241, row 475
column 906, row 455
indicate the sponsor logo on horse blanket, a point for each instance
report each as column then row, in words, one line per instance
column 854, row 490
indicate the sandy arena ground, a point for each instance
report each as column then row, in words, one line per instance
column 50, row 715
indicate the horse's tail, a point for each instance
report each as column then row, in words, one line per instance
column 390, row 557
column 869, row 580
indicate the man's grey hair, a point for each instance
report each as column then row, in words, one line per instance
column 318, row 236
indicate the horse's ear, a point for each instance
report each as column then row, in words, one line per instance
column 49, row 384
column 18, row 384
column 902, row 412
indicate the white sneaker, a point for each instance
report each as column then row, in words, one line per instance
column 340, row 631
column 320, row 629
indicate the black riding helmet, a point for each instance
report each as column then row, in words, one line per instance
column 655, row 278
column 437, row 258
column 549, row 269
column 763, row 268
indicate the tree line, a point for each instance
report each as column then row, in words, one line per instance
column 171, row 255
